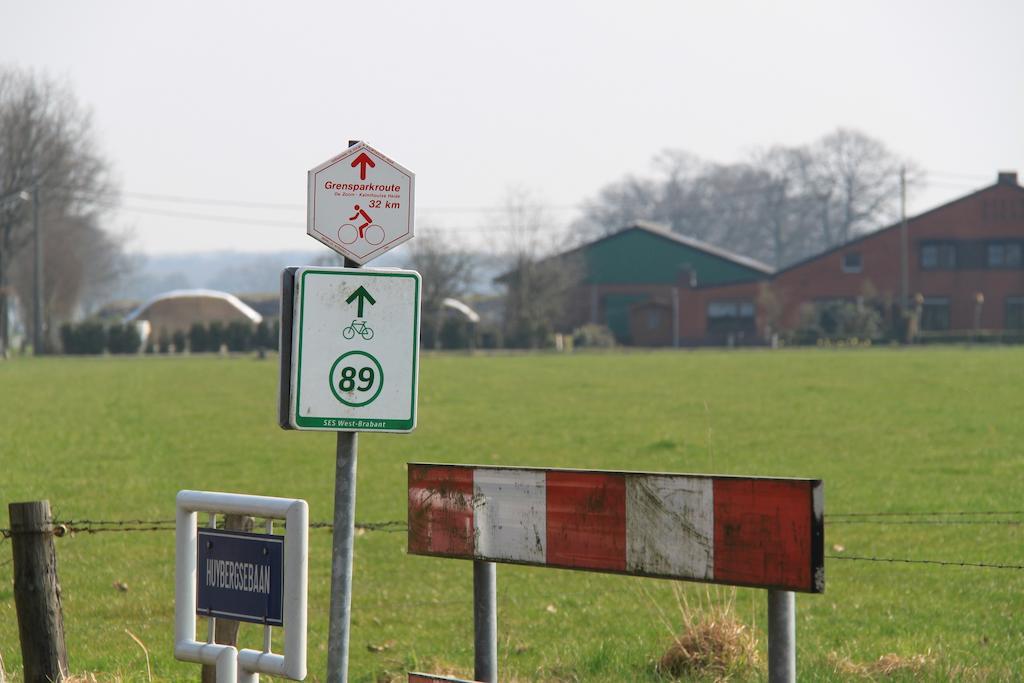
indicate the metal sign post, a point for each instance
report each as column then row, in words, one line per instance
column 340, row 614
column 350, row 339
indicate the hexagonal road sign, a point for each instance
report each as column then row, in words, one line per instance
column 360, row 203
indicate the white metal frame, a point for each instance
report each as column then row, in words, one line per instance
column 232, row 665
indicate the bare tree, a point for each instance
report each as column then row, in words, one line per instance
column 619, row 204
column 83, row 263
column 539, row 283
column 47, row 146
column 779, row 205
column 788, row 218
column 855, row 181
column 447, row 271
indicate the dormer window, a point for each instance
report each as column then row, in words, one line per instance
column 852, row 262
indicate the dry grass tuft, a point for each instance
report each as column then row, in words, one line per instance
column 717, row 645
column 886, row 665
column 712, row 642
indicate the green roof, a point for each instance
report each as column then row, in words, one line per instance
column 643, row 253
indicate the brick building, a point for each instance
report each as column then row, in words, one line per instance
column 968, row 247
column 955, row 252
column 653, row 287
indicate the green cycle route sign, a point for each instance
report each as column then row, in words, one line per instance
column 350, row 343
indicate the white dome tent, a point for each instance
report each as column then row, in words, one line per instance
column 179, row 309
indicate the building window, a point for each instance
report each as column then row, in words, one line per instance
column 851, row 262
column 1015, row 312
column 1004, row 255
column 730, row 316
column 938, row 256
column 935, row 314
column 653, row 320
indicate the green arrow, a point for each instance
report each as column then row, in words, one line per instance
column 362, row 295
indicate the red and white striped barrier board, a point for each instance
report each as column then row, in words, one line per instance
column 766, row 533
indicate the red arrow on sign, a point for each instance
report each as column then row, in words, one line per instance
column 363, row 161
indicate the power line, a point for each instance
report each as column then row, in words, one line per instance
column 109, row 201
column 480, row 208
column 178, row 199
column 110, row 197
column 953, row 174
column 204, row 217
column 240, row 220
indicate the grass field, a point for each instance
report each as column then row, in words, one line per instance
column 919, row 430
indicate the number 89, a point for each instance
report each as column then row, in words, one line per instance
column 348, row 379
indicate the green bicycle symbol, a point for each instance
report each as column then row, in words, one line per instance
column 360, row 327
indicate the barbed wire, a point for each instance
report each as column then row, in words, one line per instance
column 97, row 526
column 955, row 513
column 943, row 563
column 113, row 522
column 943, row 522
column 94, row 526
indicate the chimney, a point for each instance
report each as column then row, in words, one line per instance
column 1007, row 178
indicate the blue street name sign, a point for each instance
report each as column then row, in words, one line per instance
column 240, row 576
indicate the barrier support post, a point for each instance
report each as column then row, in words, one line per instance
column 781, row 636
column 485, row 622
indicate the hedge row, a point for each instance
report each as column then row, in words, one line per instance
column 92, row 337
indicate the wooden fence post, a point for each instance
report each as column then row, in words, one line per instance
column 37, row 592
column 226, row 632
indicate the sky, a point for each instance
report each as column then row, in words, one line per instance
column 211, row 113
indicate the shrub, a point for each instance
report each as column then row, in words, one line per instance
column 838, row 320
column 238, row 336
column 67, row 337
column 84, row 338
column 596, row 336
column 456, row 333
column 179, row 340
column 163, row 341
column 215, row 336
column 123, row 339
column 265, row 336
column 490, row 337
column 198, row 339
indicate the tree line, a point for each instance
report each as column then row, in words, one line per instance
column 778, row 205
column 50, row 163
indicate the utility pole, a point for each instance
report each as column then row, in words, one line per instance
column 37, row 279
column 904, row 243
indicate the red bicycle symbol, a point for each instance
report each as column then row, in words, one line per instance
column 369, row 231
